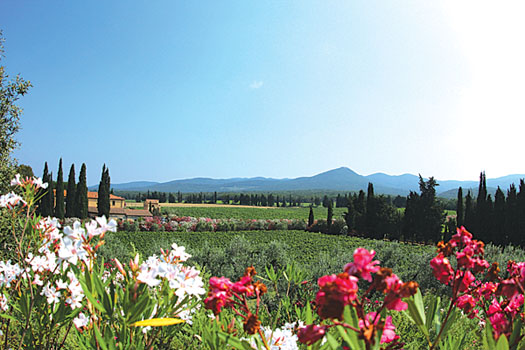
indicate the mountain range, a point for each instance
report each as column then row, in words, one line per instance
column 341, row 179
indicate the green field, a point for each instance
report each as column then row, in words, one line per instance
column 234, row 212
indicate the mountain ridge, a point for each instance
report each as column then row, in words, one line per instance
column 339, row 179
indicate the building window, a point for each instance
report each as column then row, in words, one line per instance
column 113, row 203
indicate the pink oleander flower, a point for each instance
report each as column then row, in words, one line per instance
column 389, row 334
column 219, row 295
column 467, row 303
column 464, row 280
column 362, row 265
column 441, row 268
column 462, row 237
column 487, row 290
column 507, row 288
column 335, row 291
column 310, row 334
column 243, row 286
column 514, row 305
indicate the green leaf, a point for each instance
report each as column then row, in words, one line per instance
column 416, row 310
column 91, row 298
column 488, row 337
column 100, row 340
column 516, row 331
column 433, row 313
column 454, row 314
column 502, row 344
column 350, row 337
column 8, row 317
column 236, row 343
column 332, row 341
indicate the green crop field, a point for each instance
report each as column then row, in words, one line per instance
column 233, row 212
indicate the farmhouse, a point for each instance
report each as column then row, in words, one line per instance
column 117, row 207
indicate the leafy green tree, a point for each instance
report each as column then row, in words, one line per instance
column 59, row 206
column 25, row 171
column 81, row 203
column 10, row 91
column 459, row 208
column 71, row 197
column 424, row 215
column 103, row 204
column 482, row 215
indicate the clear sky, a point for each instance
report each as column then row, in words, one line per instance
column 164, row 90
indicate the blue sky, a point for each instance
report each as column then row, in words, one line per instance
column 163, row 90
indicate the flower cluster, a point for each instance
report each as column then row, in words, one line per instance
column 183, row 279
column 193, row 224
column 476, row 285
column 225, row 294
column 337, row 291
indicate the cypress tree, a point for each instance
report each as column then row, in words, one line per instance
column 350, row 215
column 311, row 216
column 50, row 197
column 329, row 216
column 511, row 216
column 371, row 212
column 521, row 213
column 71, row 196
column 459, row 208
column 481, row 208
column 499, row 218
column 81, row 194
column 103, row 205
column 43, row 207
column 59, row 206
column 469, row 218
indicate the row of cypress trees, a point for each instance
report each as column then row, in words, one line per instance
column 75, row 204
column 500, row 220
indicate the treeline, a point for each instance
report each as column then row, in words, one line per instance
column 55, row 203
column 500, row 220
column 254, row 199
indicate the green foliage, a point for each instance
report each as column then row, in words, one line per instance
column 10, row 91
column 234, row 212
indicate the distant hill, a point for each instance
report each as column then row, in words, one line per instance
column 341, row 179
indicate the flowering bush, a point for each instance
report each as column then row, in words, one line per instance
column 57, row 288
column 57, row 284
column 192, row 224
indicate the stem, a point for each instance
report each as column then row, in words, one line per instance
column 6, row 334
column 65, row 336
column 263, row 339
